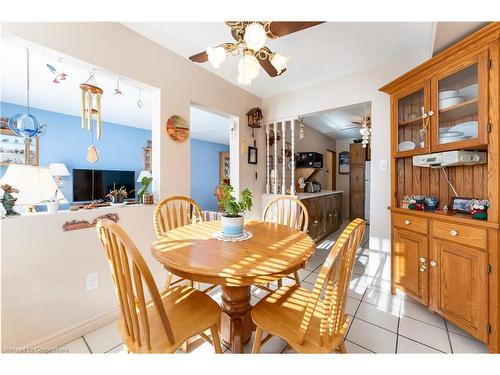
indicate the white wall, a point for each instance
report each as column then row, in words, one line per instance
column 355, row 88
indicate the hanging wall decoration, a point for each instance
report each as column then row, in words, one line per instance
column 178, row 128
column 25, row 124
column 58, row 77
column 254, row 116
column 91, row 91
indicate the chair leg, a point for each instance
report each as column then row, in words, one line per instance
column 257, row 341
column 184, row 346
column 342, row 349
column 169, row 280
column 297, row 278
column 216, row 339
column 191, row 283
column 280, row 283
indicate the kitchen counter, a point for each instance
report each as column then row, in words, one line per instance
column 302, row 196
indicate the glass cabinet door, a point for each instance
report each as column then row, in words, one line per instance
column 460, row 103
column 411, row 121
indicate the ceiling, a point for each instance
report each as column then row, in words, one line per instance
column 208, row 126
column 65, row 97
column 448, row 33
column 317, row 54
column 332, row 122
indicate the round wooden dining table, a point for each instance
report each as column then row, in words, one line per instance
column 273, row 251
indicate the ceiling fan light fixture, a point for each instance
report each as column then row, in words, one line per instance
column 248, row 69
column 255, row 36
column 216, row 55
column 279, row 62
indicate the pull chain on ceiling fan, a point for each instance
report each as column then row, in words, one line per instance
column 251, row 37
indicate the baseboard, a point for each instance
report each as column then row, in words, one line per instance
column 62, row 337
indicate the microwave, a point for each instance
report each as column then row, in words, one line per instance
column 309, row 160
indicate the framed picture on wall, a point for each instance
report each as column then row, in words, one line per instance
column 344, row 162
column 224, row 165
column 252, row 155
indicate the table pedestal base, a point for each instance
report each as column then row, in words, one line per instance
column 236, row 322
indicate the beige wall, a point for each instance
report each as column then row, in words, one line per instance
column 317, row 142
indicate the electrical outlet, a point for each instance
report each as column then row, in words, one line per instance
column 91, row 281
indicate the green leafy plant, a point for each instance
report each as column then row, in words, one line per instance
column 232, row 208
column 145, row 182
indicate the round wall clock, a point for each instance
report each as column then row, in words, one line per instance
column 178, row 128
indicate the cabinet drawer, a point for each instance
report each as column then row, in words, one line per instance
column 414, row 223
column 464, row 234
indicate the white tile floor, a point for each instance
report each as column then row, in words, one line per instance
column 381, row 322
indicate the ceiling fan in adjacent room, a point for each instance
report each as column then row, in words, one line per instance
column 251, row 37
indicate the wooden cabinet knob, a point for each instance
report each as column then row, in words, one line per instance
column 433, row 264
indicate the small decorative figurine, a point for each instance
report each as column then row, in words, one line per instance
column 480, row 209
column 8, row 201
column 417, row 202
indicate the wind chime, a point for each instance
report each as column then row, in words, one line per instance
column 91, row 91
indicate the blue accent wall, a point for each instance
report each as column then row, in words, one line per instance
column 120, row 147
column 205, row 172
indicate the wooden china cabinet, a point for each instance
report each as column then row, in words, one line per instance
column 444, row 260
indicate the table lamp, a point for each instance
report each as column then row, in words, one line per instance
column 35, row 185
column 58, row 170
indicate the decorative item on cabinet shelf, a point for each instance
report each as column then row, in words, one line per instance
column 147, row 198
column 145, row 178
column 431, row 203
column 417, row 202
column 462, row 205
column 480, row 209
column 232, row 220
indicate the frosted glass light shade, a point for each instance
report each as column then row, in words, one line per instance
column 26, row 125
column 35, row 184
column 216, row 56
column 279, row 62
column 144, row 174
column 58, row 169
column 248, row 69
column 255, row 36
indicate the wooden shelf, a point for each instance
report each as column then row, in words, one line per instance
column 411, row 122
column 465, row 109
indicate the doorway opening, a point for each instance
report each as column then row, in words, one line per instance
column 331, row 170
column 210, row 141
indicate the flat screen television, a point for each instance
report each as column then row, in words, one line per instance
column 95, row 184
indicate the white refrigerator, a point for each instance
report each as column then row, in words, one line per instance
column 367, row 191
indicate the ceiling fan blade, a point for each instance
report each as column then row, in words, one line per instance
column 199, row 57
column 350, row 127
column 281, row 28
column 267, row 66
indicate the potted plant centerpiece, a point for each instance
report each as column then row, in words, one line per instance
column 145, row 183
column 117, row 196
column 232, row 220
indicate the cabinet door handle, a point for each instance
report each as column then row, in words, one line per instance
column 453, row 232
column 423, row 266
column 433, row 264
column 407, row 222
column 422, row 269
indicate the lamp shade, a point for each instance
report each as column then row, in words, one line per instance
column 35, row 184
column 58, row 169
column 144, row 174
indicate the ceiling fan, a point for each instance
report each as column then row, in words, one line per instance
column 250, row 37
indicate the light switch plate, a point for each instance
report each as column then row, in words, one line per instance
column 91, row 281
column 383, row 164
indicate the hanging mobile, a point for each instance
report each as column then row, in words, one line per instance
column 89, row 91
column 25, row 124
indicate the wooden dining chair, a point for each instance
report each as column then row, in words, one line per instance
column 289, row 211
column 313, row 322
column 169, row 319
column 174, row 212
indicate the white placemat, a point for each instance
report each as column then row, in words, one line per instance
column 224, row 237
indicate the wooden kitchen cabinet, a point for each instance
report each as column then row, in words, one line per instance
column 447, row 260
column 357, row 154
column 325, row 212
column 459, row 284
column 356, row 205
column 410, row 257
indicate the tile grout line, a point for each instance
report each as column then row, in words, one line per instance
column 361, row 346
column 113, row 348
column 421, row 343
column 448, row 334
column 397, row 329
column 354, row 316
column 87, row 344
